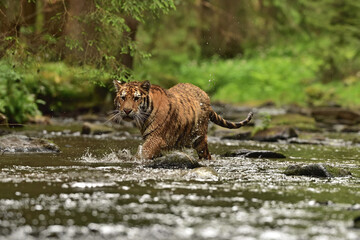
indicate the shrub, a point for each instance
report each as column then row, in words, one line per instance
column 66, row 88
column 16, row 102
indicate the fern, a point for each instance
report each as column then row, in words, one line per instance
column 16, row 102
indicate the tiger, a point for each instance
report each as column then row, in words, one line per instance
column 168, row 119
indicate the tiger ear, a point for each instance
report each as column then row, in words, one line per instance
column 118, row 84
column 145, row 85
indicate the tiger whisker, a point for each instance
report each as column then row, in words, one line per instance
column 115, row 117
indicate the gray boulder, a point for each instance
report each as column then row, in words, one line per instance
column 24, row 144
column 176, row 160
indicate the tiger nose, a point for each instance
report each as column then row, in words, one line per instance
column 127, row 111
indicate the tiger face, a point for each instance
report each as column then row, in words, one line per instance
column 132, row 101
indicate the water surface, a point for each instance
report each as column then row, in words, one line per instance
column 96, row 189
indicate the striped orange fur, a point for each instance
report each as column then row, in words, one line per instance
column 169, row 119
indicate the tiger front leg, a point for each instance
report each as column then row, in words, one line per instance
column 201, row 147
column 152, row 148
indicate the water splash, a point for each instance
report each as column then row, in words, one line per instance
column 112, row 157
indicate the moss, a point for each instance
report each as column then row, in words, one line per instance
column 295, row 120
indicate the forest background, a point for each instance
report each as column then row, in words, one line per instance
column 59, row 57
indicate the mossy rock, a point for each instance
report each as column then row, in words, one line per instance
column 25, row 144
column 238, row 136
column 316, row 170
column 336, row 115
column 274, row 134
column 296, row 121
column 95, row 129
column 174, row 160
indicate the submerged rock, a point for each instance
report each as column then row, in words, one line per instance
column 274, row 134
column 175, row 160
column 316, row 170
column 204, row 173
column 4, row 132
column 254, row 154
column 95, row 129
column 25, row 144
column 357, row 222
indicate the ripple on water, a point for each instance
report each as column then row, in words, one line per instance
column 112, row 196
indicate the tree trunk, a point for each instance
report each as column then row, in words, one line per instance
column 127, row 59
column 28, row 13
column 78, row 32
column 54, row 17
column 14, row 14
column 225, row 27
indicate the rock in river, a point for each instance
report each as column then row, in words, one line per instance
column 95, row 129
column 176, row 160
column 316, row 170
column 274, row 134
column 357, row 222
column 3, row 119
column 254, row 154
column 238, row 136
column 25, row 144
column 336, row 115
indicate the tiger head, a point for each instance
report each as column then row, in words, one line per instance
column 132, row 101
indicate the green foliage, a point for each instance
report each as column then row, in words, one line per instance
column 341, row 93
column 277, row 74
column 16, row 102
column 287, row 51
column 263, row 122
column 281, row 74
column 137, row 9
column 94, row 32
column 172, row 38
column 66, row 88
column 116, row 21
column 333, row 25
